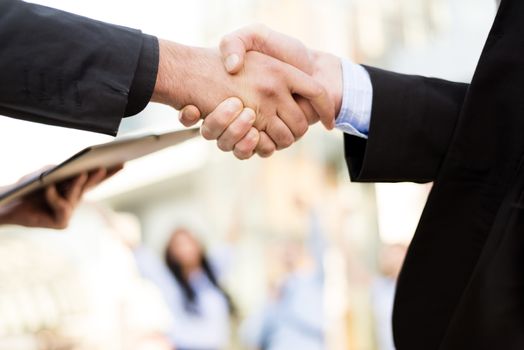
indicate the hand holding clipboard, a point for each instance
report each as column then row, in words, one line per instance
column 47, row 198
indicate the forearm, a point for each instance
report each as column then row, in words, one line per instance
column 62, row 69
column 186, row 75
column 173, row 74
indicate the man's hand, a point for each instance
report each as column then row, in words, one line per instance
column 54, row 206
column 266, row 86
column 324, row 68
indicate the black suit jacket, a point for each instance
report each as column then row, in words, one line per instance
column 67, row 70
column 462, row 284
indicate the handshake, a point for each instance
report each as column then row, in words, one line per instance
column 257, row 94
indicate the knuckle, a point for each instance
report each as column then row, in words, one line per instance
column 258, row 32
column 206, row 133
column 258, row 27
column 242, row 154
column 281, row 135
column 224, row 115
column 232, row 106
column 318, row 90
column 238, row 129
column 245, row 146
column 302, row 128
column 223, row 145
column 274, row 67
column 261, row 123
column 286, row 141
column 265, row 153
column 268, row 89
column 219, row 126
column 225, row 41
column 226, row 121
column 265, row 150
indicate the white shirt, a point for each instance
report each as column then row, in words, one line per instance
column 357, row 99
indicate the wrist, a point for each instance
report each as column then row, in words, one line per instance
column 328, row 71
column 191, row 76
column 172, row 69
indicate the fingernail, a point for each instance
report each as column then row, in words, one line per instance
column 248, row 115
column 234, row 104
column 231, row 62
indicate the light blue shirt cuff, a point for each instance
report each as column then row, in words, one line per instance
column 357, row 99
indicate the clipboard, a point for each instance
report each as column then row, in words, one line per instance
column 106, row 155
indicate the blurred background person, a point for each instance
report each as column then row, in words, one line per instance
column 145, row 317
column 189, row 280
column 201, row 307
column 293, row 316
column 78, row 291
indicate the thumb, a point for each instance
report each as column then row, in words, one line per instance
column 189, row 115
column 260, row 38
column 233, row 51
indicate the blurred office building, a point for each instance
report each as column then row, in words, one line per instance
column 82, row 288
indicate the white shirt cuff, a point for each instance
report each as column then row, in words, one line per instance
column 357, row 99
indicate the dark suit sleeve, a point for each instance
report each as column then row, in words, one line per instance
column 412, row 122
column 62, row 69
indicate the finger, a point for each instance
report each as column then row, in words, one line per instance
column 265, row 147
column 189, row 115
column 306, row 107
column 279, row 133
column 293, row 117
column 234, row 46
column 95, row 178
column 219, row 120
column 77, row 189
column 60, row 207
column 54, row 199
column 305, row 86
column 237, row 130
column 245, row 148
column 233, row 54
column 115, row 170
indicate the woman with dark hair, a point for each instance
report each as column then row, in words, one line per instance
column 201, row 307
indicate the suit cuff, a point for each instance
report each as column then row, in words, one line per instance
column 357, row 100
column 145, row 77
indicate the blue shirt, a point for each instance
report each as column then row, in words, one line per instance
column 357, row 99
column 294, row 320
